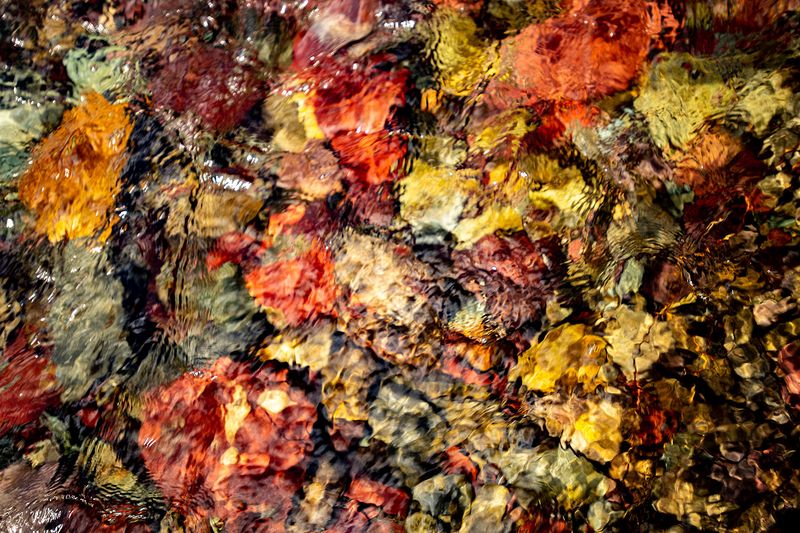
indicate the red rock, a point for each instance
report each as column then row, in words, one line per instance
column 717, row 164
column 665, row 283
column 371, row 204
column 89, row 417
column 653, row 424
column 778, row 237
column 314, row 219
column 30, row 382
column 209, row 83
column 536, row 522
column 557, row 117
column 315, row 172
column 459, row 369
column 391, row 500
column 339, row 22
column 458, row 463
column 345, row 434
column 235, row 247
column 358, row 518
column 357, row 101
column 228, row 440
column 301, row 288
column 103, row 518
column 510, row 275
column 746, row 16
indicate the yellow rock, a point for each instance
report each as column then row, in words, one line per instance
column 311, row 350
column 636, row 340
column 679, row 95
column 432, row 199
column 504, row 131
column 462, row 58
column 229, row 457
column 274, row 401
column 568, row 355
column 430, row 100
column 345, row 385
column 552, row 185
column 596, row 433
column 293, row 118
column 494, row 218
column 471, row 321
column 235, row 413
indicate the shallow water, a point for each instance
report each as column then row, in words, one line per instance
column 399, row 265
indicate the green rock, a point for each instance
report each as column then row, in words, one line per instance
column 97, row 71
column 556, row 474
column 443, row 495
column 422, row 523
column 487, row 510
column 86, row 321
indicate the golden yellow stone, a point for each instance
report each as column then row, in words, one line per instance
column 568, row 355
column 74, row 179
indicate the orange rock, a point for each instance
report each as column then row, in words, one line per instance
column 300, row 288
column 471, row 7
column 557, row 117
column 371, row 158
column 289, row 217
column 458, row 463
column 74, row 179
column 594, row 49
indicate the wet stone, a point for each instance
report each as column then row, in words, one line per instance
column 389, row 265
